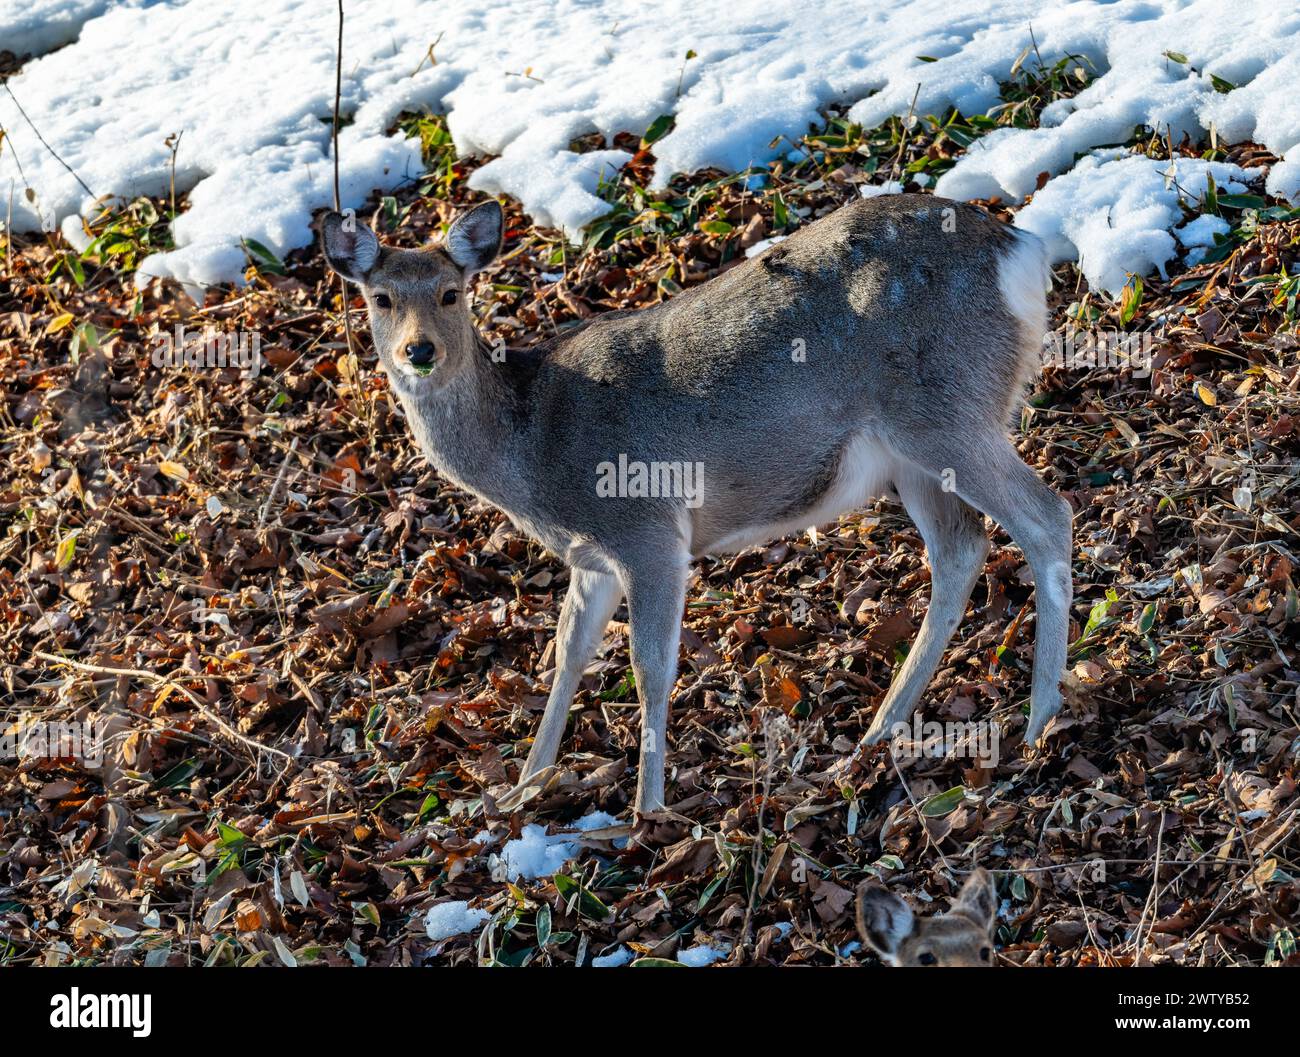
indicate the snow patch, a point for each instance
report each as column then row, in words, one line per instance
column 1115, row 211
column 538, row 854
column 1284, row 177
column 614, row 959
column 33, row 27
column 1201, row 231
column 700, row 956
column 521, row 81
column 889, row 187
column 455, row 918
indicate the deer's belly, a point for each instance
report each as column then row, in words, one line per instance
column 864, row 471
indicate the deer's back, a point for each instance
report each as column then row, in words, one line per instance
column 884, row 318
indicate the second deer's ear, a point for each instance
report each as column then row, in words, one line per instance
column 884, row 920
column 978, row 900
column 350, row 247
column 474, row 240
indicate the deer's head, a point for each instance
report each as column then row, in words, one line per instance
column 419, row 319
column 963, row 936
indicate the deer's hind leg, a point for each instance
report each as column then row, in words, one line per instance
column 656, row 597
column 989, row 474
column 955, row 547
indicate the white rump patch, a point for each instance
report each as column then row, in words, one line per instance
column 1024, row 277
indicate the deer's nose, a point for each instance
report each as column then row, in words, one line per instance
column 420, row 353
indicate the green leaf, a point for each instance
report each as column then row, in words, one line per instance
column 1242, row 201
column 1098, row 613
column 66, row 551
column 230, row 835
column 392, row 214
column 430, row 802
column 942, row 803
column 1130, row 300
column 1176, row 56
column 963, row 137
column 1283, row 944
column 624, row 691
column 577, row 896
column 656, row 963
column 1148, row 619
column 86, row 335
column 262, row 258
column 659, row 128
column 543, row 926
column 227, row 862
column 180, row 774
column 709, row 891
column 514, row 959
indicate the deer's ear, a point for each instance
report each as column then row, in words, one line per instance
column 884, row 920
column 978, row 900
column 350, row 247
column 474, row 240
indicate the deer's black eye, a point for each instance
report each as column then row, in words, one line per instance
column 383, row 301
column 926, row 958
column 984, row 954
column 449, row 297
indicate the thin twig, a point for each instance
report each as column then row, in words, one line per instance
column 166, row 682
column 902, row 142
column 1153, row 897
column 338, row 202
column 756, row 852
column 279, row 480
column 920, row 817
column 52, row 151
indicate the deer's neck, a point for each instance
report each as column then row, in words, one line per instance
column 472, row 431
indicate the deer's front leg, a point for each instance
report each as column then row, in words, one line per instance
column 590, row 602
column 655, row 599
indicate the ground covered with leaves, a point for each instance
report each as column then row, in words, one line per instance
column 317, row 665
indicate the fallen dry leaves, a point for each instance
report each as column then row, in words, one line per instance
column 319, row 665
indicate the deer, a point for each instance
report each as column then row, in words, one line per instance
column 880, row 350
column 962, row 937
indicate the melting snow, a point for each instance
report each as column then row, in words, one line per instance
column 704, row 954
column 614, row 959
column 537, row 853
column 520, row 81
column 1201, row 231
column 445, row 920
column 1117, row 210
